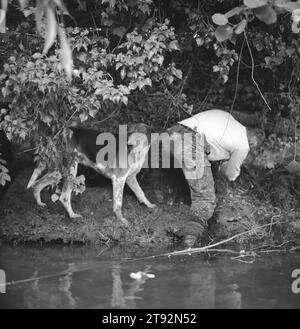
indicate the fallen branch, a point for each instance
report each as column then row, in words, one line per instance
column 209, row 247
column 50, row 276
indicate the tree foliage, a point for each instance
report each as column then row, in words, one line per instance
column 142, row 60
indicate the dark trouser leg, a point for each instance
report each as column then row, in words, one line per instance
column 197, row 171
column 203, row 195
column 203, row 203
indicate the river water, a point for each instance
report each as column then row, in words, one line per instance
column 77, row 277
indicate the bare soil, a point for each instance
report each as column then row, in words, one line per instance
column 243, row 205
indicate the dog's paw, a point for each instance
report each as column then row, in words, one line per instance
column 73, row 216
column 152, row 205
column 41, row 204
column 124, row 221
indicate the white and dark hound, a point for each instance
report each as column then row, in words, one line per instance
column 83, row 145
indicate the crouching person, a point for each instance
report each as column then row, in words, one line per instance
column 190, row 150
column 229, row 142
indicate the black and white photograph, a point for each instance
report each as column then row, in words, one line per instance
column 149, row 157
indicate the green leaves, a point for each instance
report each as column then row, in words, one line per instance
column 263, row 10
column 173, row 45
column 225, row 30
column 241, row 27
column 288, row 5
column 296, row 20
column 142, row 57
column 293, row 167
column 223, row 33
column 79, row 184
column 227, row 59
column 119, row 31
column 296, row 16
column 219, row 19
column 266, row 14
column 111, row 3
column 255, row 3
column 43, row 100
column 46, row 10
column 233, row 12
column 295, row 27
column 4, row 176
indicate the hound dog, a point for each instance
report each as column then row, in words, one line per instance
column 83, row 144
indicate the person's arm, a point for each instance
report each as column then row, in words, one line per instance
column 232, row 168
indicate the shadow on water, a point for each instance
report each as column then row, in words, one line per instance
column 76, row 277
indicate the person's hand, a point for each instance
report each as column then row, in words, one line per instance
column 222, row 167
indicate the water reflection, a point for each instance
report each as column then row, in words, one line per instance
column 126, row 297
column 43, row 293
column 76, row 278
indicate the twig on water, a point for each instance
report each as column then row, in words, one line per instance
column 209, row 247
column 49, row 276
column 241, row 257
column 245, row 261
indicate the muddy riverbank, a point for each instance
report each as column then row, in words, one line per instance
column 243, row 205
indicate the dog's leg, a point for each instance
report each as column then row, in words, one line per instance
column 49, row 179
column 35, row 175
column 65, row 197
column 134, row 185
column 118, row 188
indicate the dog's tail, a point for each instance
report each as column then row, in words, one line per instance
column 35, row 175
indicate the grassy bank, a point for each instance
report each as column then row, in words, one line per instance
column 271, row 198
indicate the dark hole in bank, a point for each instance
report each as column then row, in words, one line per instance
column 169, row 181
